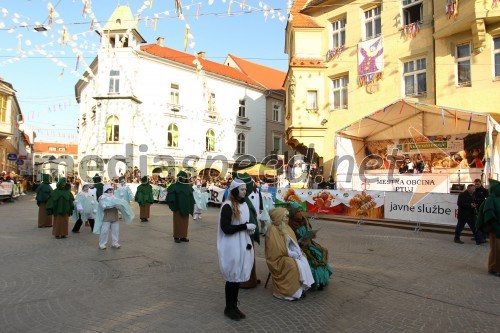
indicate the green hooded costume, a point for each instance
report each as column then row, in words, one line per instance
column 144, row 193
column 98, row 186
column 43, row 191
column 253, row 213
column 180, row 195
column 61, row 200
column 488, row 219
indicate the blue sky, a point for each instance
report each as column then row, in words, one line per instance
column 44, row 71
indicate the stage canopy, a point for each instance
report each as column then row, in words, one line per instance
column 405, row 119
column 395, row 120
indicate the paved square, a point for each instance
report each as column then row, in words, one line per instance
column 385, row 280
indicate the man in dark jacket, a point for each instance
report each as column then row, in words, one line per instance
column 467, row 210
column 480, row 193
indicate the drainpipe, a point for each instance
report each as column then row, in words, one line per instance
column 434, row 52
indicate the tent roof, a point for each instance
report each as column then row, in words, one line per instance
column 259, row 170
column 402, row 118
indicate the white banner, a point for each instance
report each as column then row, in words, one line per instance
column 216, row 194
column 402, row 183
column 6, row 189
column 435, row 208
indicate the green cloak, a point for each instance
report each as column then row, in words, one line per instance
column 488, row 219
column 253, row 213
column 144, row 194
column 43, row 191
column 180, row 195
column 61, row 200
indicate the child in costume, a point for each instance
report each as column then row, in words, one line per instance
column 107, row 217
column 144, row 197
column 86, row 208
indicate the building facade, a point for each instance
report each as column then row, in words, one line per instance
column 348, row 60
column 15, row 140
column 163, row 110
column 55, row 159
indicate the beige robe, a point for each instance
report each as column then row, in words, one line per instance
column 284, row 270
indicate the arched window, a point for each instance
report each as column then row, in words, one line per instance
column 210, row 140
column 113, row 129
column 241, row 144
column 172, row 136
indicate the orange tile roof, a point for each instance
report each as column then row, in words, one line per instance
column 269, row 77
column 27, row 138
column 43, row 147
column 208, row 66
column 307, row 62
column 300, row 20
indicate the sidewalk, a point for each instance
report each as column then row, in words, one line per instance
column 384, row 280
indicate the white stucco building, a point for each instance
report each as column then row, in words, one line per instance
column 151, row 106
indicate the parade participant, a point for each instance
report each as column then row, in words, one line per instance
column 247, row 179
column 467, row 211
column 200, row 201
column 234, row 248
column 144, row 197
column 316, row 255
column 180, row 200
column 488, row 221
column 107, row 217
column 42, row 195
column 267, row 205
column 287, row 263
column 256, row 199
column 98, row 186
column 86, row 208
column 61, row 205
column 124, row 192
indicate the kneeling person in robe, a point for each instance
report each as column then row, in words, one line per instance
column 288, row 265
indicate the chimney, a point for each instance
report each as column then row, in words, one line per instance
column 159, row 41
column 201, row 54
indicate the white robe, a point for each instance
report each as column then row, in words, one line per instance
column 87, row 203
column 255, row 200
column 235, row 260
column 306, row 277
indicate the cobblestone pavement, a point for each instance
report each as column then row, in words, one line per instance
column 385, row 280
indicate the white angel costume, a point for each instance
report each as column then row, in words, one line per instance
column 200, row 201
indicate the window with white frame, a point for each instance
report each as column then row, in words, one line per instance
column 210, row 140
column 312, row 99
column 240, row 149
column 211, row 102
column 373, row 22
column 415, row 77
column 241, row 109
column 113, row 129
column 277, row 144
column 174, row 93
column 338, row 33
column 463, row 64
column 339, row 93
column 412, row 11
column 114, row 82
column 3, row 108
column 172, row 136
column 496, row 55
column 276, row 112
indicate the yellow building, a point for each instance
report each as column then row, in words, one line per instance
column 433, row 53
